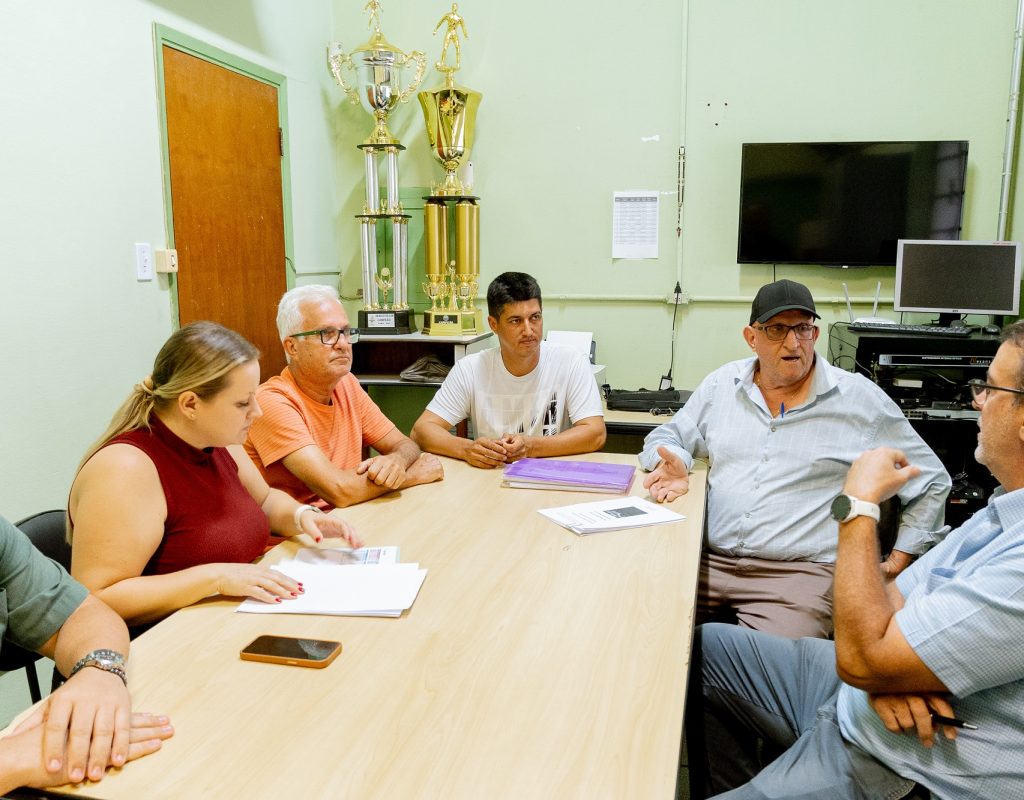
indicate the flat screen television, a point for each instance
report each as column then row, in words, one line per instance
column 847, row 203
column 954, row 278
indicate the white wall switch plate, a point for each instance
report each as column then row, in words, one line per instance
column 143, row 261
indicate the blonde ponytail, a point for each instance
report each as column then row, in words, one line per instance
column 196, row 358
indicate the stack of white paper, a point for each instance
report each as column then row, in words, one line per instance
column 610, row 515
column 345, row 583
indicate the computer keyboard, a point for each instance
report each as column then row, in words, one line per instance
column 918, row 330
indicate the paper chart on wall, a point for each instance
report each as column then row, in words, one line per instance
column 635, row 225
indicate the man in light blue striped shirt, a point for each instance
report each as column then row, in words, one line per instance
column 925, row 680
column 779, row 431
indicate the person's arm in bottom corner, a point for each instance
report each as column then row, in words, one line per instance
column 87, row 724
column 22, row 765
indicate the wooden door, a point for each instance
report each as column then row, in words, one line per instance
column 224, row 150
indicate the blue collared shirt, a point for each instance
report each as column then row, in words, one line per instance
column 772, row 480
column 964, row 617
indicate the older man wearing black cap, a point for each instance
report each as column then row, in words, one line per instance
column 780, row 431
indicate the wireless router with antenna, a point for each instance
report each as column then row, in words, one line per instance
column 874, row 309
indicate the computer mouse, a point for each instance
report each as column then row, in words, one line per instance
column 991, row 330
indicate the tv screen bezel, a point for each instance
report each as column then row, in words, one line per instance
column 858, row 145
column 898, row 289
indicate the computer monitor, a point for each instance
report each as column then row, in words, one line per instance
column 951, row 278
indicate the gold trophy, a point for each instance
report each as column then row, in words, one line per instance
column 378, row 66
column 450, row 116
column 384, row 283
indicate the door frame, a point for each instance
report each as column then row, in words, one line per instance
column 162, row 35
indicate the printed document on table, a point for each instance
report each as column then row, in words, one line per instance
column 361, row 590
column 610, row 515
column 346, row 555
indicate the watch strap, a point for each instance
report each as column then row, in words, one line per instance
column 104, row 659
column 862, row 508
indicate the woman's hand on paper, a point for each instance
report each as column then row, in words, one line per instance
column 257, row 582
column 332, row 526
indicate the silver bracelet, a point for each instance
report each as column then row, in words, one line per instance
column 104, row 659
column 302, row 510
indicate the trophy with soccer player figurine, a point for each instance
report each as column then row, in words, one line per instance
column 450, row 116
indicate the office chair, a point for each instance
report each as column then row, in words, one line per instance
column 47, row 532
column 569, row 338
column 888, row 524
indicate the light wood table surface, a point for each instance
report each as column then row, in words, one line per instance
column 534, row 664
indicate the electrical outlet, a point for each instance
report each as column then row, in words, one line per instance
column 143, row 261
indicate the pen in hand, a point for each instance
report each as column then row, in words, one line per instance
column 953, row 722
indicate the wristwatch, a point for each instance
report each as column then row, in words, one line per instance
column 106, row 660
column 845, row 508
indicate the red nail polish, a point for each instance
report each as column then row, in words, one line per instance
column 277, row 599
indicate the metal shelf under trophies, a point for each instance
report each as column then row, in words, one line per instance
column 378, row 66
column 450, row 116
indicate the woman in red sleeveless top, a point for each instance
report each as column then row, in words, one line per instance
column 167, row 508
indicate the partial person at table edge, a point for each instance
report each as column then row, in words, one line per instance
column 166, row 508
column 317, row 418
column 526, row 398
column 779, row 431
column 87, row 724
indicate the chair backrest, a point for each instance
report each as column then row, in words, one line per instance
column 47, row 532
column 583, row 341
column 889, row 524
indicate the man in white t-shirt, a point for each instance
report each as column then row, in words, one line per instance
column 526, row 398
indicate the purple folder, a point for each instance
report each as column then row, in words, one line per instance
column 560, row 474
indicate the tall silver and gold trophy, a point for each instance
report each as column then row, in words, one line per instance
column 452, row 261
column 378, row 68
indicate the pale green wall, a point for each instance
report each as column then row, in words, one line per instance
column 579, row 101
column 81, row 183
column 812, row 70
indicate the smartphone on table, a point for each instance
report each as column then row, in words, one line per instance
column 295, row 652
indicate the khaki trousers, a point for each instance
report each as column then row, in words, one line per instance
column 787, row 598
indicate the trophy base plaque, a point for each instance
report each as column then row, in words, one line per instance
column 376, row 322
column 452, row 323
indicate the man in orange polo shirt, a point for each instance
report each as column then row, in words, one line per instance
column 317, row 418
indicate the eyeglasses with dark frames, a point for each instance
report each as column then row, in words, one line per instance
column 777, row 332
column 980, row 389
column 330, row 336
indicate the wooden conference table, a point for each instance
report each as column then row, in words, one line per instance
column 533, row 664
